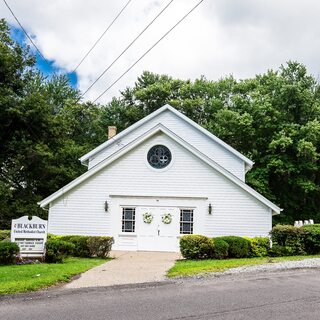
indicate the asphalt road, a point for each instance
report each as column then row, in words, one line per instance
column 277, row 296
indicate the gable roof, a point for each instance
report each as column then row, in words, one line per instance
column 86, row 157
column 160, row 128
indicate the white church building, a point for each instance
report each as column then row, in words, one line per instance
column 163, row 177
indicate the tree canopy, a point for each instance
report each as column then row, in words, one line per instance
column 43, row 131
column 273, row 118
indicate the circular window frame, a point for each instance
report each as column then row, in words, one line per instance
column 158, row 169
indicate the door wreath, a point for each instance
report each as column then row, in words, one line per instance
column 147, row 217
column 166, row 218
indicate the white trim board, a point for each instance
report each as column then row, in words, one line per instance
column 156, row 197
column 156, row 206
column 183, row 143
column 249, row 163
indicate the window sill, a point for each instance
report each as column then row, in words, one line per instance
column 127, row 234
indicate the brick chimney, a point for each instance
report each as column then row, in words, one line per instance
column 112, row 131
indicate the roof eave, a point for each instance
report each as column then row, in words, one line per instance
column 122, row 134
column 212, row 136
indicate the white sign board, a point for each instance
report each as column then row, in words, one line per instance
column 30, row 235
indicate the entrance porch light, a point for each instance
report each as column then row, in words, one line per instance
column 210, row 208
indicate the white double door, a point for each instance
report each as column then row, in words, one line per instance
column 157, row 235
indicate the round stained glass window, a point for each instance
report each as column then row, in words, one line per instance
column 159, row 156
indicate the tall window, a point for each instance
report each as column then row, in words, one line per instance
column 186, row 221
column 128, row 219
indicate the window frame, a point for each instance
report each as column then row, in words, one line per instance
column 189, row 222
column 124, row 220
column 155, row 168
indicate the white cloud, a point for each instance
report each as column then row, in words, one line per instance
column 220, row 37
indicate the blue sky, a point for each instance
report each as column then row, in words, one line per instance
column 18, row 35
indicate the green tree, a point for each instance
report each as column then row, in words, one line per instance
column 44, row 129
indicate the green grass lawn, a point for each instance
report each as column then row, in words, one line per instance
column 31, row 277
column 184, row 268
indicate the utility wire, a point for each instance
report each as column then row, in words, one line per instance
column 104, row 32
column 25, row 32
column 132, row 42
column 123, row 74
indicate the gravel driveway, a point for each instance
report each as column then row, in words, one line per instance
column 285, row 265
column 127, row 267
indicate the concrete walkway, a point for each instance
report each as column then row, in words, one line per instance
column 127, row 267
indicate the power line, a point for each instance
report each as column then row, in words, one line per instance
column 123, row 74
column 104, row 32
column 132, row 42
column 25, row 32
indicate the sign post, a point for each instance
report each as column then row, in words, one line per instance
column 30, row 235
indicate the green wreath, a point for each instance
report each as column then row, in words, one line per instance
column 147, row 217
column 166, row 218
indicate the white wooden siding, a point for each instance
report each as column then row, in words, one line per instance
column 193, row 136
column 235, row 212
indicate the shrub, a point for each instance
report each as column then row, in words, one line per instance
column 312, row 227
column 196, row 247
column 53, row 236
column 57, row 250
column 280, row 251
column 285, row 234
column 289, row 236
column 220, row 250
column 8, row 252
column 99, row 246
column 311, row 238
column 87, row 246
column 259, row 246
column 238, row 247
column 81, row 248
column 4, row 235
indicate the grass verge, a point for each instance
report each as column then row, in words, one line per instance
column 184, row 268
column 31, row 277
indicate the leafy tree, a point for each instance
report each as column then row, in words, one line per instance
column 44, row 129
